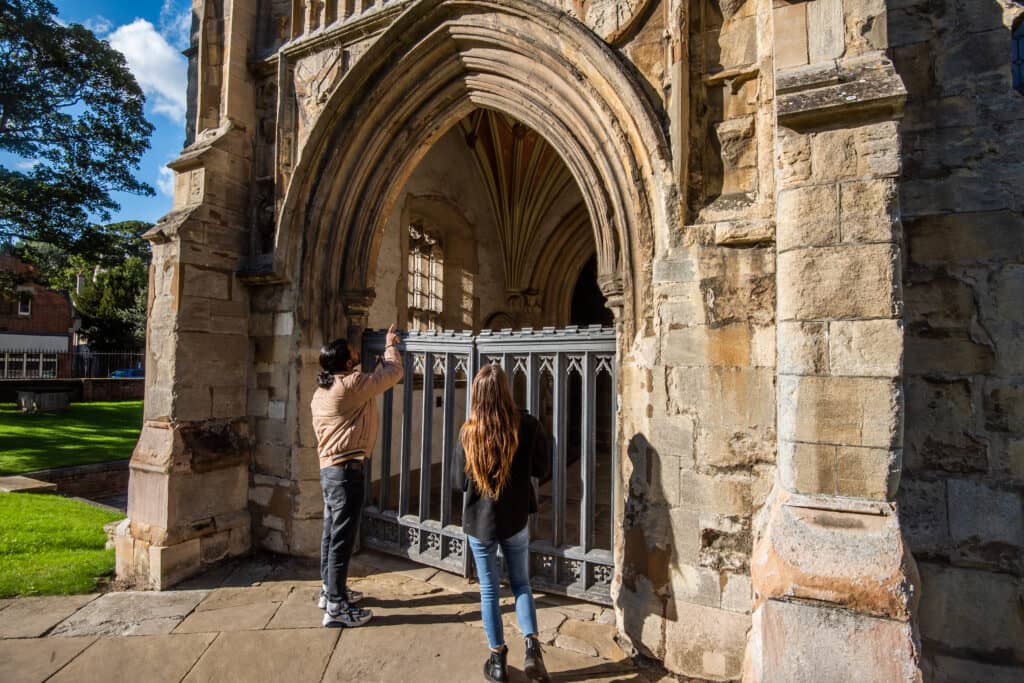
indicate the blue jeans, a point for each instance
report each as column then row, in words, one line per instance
column 516, row 550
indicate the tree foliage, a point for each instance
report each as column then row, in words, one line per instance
column 69, row 104
column 113, row 306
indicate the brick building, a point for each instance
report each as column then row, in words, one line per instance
column 36, row 325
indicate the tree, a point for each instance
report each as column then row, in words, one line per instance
column 69, row 104
column 113, row 306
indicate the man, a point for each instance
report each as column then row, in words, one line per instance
column 345, row 421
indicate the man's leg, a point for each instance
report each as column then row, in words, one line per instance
column 345, row 501
column 325, row 549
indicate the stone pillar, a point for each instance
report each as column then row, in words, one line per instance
column 835, row 586
column 189, row 481
column 187, row 495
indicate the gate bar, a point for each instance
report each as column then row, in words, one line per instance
column 426, row 434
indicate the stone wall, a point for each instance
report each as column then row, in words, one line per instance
column 963, row 481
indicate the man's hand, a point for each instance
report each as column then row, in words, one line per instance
column 392, row 338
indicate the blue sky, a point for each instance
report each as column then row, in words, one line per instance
column 151, row 34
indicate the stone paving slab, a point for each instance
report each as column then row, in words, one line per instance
column 20, row 484
column 33, row 617
column 32, row 661
column 295, row 656
column 223, row 598
column 131, row 614
column 153, row 659
column 299, row 610
column 252, row 617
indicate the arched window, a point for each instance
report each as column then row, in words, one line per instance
column 426, row 278
column 1018, row 58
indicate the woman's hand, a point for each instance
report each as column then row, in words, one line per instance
column 392, row 338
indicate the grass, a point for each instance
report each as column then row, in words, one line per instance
column 51, row 545
column 87, row 433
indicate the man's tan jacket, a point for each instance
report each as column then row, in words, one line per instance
column 345, row 415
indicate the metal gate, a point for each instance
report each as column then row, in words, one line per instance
column 567, row 379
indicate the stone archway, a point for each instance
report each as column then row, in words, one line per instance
column 435, row 64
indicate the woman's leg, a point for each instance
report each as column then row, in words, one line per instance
column 517, row 556
column 486, row 557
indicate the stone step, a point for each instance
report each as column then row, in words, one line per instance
column 20, row 484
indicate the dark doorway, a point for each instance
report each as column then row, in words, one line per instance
column 587, row 300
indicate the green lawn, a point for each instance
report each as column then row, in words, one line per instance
column 89, row 432
column 51, row 545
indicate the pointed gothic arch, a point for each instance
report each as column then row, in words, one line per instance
column 433, row 66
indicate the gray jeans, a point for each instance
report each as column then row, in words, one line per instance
column 343, row 504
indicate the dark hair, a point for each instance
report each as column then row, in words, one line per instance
column 334, row 358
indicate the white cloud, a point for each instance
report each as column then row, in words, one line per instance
column 165, row 181
column 99, row 25
column 176, row 22
column 26, row 164
column 160, row 69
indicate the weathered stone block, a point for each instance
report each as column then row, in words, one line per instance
column 794, row 157
column 673, row 436
column 705, row 642
column 1004, row 407
column 305, row 464
column 169, row 565
column 790, row 23
column 866, row 26
column 737, row 595
column 941, row 423
column 869, row 211
column 697, row 585
column 718, row 494
column 731, row 47
column 866, row 348
column 803, row 348
column 938, row 301
column 872, row 473
column 838, row 282
column 271, row 460
column 825, row 30
column 834, row 155
column 807, row 468
column 923, row 512
column 813, row 643
column 841, row 410
column 955, row 670
column 808, row 217
column 203, row 282
column 951, row 352
column 822, row 549
column 965, row 238
column 987, row 524
column 968, row 610
column 878, row 149
column 229, row 401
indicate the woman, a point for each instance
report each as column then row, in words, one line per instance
column 501, row 448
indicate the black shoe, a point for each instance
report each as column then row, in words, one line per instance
column 533, row 666
column 496, row 667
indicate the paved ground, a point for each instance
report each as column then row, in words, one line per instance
column 258, row 621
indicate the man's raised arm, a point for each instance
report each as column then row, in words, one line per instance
column 389, row 373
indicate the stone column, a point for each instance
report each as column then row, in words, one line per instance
column 188, row 491
column 835, row 586
column 189, row 482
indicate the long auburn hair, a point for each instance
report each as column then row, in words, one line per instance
column 490, row 436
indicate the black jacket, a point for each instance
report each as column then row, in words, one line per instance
column 489, row 519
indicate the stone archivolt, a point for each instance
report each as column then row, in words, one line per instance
column 430, row 69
